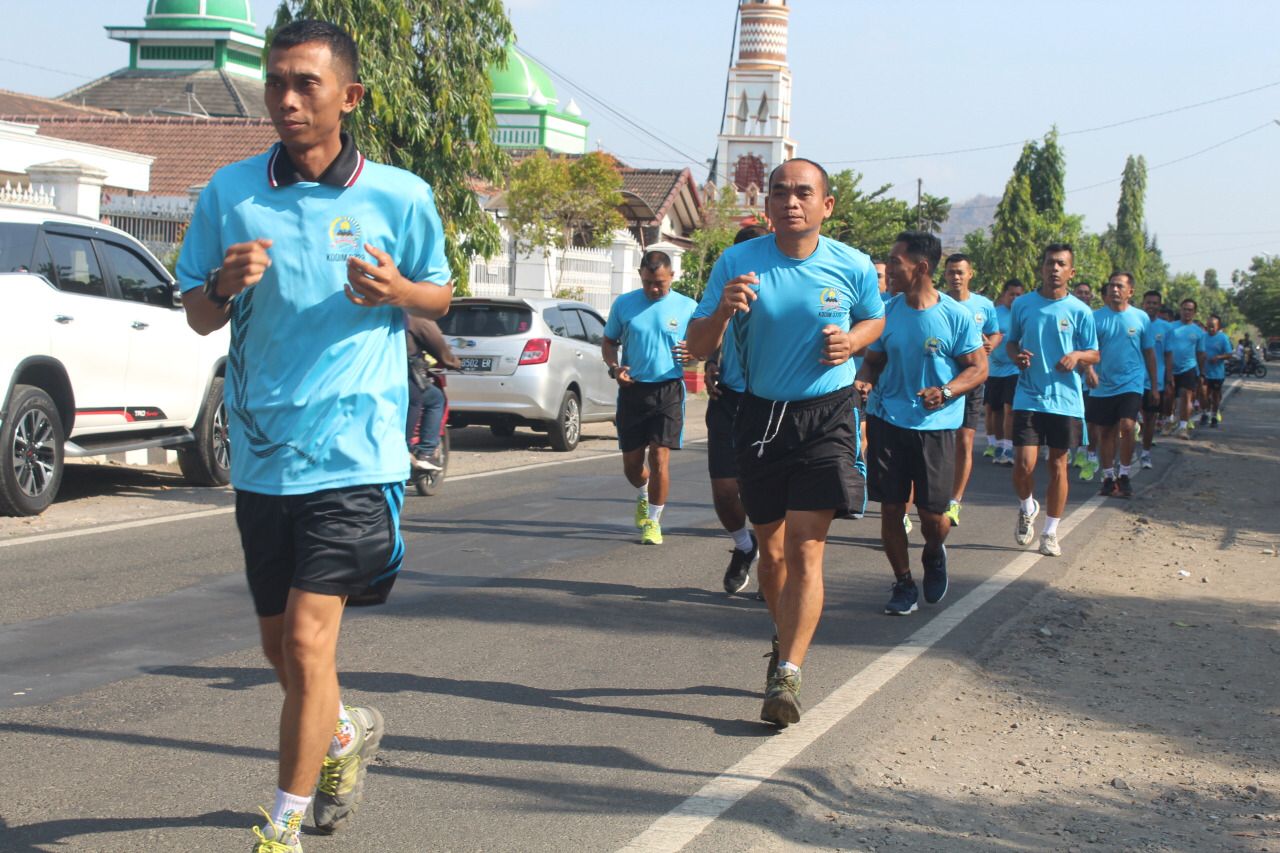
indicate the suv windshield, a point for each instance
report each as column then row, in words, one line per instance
column 485, row 321
column 16, row 245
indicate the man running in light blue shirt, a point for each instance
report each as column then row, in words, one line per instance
column 797, row 306
column 648, row 326
column 1155, row 404
column 1186, row 342
column 1217, row 349
column 915, row 378
column 1126, row 370
column 1002, row 379
column 1051, row 335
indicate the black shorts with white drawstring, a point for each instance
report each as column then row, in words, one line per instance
column 798, row 455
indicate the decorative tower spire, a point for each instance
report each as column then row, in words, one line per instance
column 755, row 135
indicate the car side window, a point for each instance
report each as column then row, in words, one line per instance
column 573, row 323
column 555, row 321
column 594, row 326
column 138, row 281
column 76, row 265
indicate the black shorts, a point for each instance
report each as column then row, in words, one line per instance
column 1109, row 411
column 975, row 414
column 1216, row 384
column 335, row 542
column 1000, row 391
column 651, row 413
column 1036, row 429
column 800, row 455
column 899, row 458
column 1188, row 380
column 722, row 464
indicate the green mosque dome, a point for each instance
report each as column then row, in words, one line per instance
column 523, row 84
column 201, row 14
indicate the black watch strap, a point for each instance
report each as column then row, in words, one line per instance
column 211, row 289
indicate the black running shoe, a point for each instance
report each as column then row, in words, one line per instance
column 1124, row 489
column 1108, row 489
column 738, row 575
column 935, row 576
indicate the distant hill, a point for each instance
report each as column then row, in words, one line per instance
column 971, row 214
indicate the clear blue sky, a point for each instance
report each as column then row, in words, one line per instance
column 871, row 82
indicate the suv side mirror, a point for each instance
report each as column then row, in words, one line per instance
column 175, row 295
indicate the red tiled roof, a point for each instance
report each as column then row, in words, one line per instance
column 19, row 104
column 659, row 187
column 187, row 150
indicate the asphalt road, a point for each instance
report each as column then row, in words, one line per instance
column 548, row 683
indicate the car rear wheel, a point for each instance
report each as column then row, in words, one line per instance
column 208, row 463
column 566, row 429
column 32, row 440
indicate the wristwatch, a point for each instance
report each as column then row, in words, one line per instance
column 613, row 371
column 946, row 392
column 211, row 289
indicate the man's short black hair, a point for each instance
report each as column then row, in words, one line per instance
column 1194, row 304
column 1013, row 282
column 1054, row 248
column 956, row 258
column 341, row 46
column 749, row 232
column 1166, row 311
column 654, row 260
column 826, row 181
column 1216, row 317
column 922, row 245
column 1157, row 294
column 1128, row 275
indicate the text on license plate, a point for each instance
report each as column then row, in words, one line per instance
column 477, row 364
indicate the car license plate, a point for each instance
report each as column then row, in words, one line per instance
column 477, row 364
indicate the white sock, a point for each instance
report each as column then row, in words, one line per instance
column 655, row 511
column 344, row 734
column 991, row 441
column 742, row 540
column 1182, row 424
column 1092, row 457
column 1027, row 505
column 643, row 490
column 1050, row 524
column 286, row 816
column 787, row 667
column 1124, row 470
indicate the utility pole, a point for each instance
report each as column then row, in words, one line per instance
column 919, row 204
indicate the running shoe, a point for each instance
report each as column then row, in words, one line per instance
column 1006, row 456
column 990, row 452
column 1049, row 545
column 935, row 576
column 1218, row 418
column 1124, row 489
column 1213, row 422
column 1204, row 419
column 642, row 512
column 1024, row 532
column 903, row 598
column 341, row 788
column 1080, row 457
column 782, row 699
column 906, row 522
column 423, row 461
column 268, row 842
column 738, row 575
column 1145, row 460
column 1108, row 489
column 1088, row 471
column 772, row 668
column 1183, row 432
column 953, row 513
column 650, row 532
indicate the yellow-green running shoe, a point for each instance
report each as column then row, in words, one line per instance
column 341, row 788
column 953, row 513
column 990, row 452
column 1088, row 471
column 650, row 532
column 906, row 523
column 642, row 512
column 272, row 845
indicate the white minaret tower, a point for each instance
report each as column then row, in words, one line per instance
column 756, row 134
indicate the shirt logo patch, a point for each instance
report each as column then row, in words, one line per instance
column 673, row 323
column 344, row 238
column 980, row 318
column 1132, row 331
column 932, row 346
column 829, row 303
column 1065, row 324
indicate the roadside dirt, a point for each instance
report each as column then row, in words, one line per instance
column 1134, row 705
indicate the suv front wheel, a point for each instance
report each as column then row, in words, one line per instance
column 32, row 439
column 208, row 463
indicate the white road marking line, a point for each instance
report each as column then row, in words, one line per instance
column 225, row 510
column 685, row 822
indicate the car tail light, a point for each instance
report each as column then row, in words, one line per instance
column 536, row 351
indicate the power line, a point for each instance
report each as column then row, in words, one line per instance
column 45, row 68
column 1021, row 142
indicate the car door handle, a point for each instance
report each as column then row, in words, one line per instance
column 64, row 319
column 138, row 324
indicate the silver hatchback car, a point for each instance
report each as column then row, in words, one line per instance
column 528, row 362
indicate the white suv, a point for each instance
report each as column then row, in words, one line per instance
column 96, row 357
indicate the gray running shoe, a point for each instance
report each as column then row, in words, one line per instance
column 1049, row 545
column 782, row 700
column 341, row 788
column 1025, row 531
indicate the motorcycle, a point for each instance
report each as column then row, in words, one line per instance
column 1252, row 367
column 428, row 482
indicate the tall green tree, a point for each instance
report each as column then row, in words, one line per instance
column 1048, row 174
column 1015, row 235
column 721, row 222
column 1259, row 294
column 428, row 109
column 930, row 214
column 869, row 221
column 559, row 202
column 1130, row 247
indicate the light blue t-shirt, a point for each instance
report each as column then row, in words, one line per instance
column 998, row 362
column 1185, row 340
column 316, row 391
column 1160, row 331
column 780, row 340
column 1122, row 338
column 1218, row 344
column 1050, row 328
column 921, row 347
column 983, row 311
column 648, row 329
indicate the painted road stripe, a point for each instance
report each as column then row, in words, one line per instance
column 685, row 822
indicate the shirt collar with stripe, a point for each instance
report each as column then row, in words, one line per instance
column 342, row 172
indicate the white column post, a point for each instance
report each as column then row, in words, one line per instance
column 76, row 186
